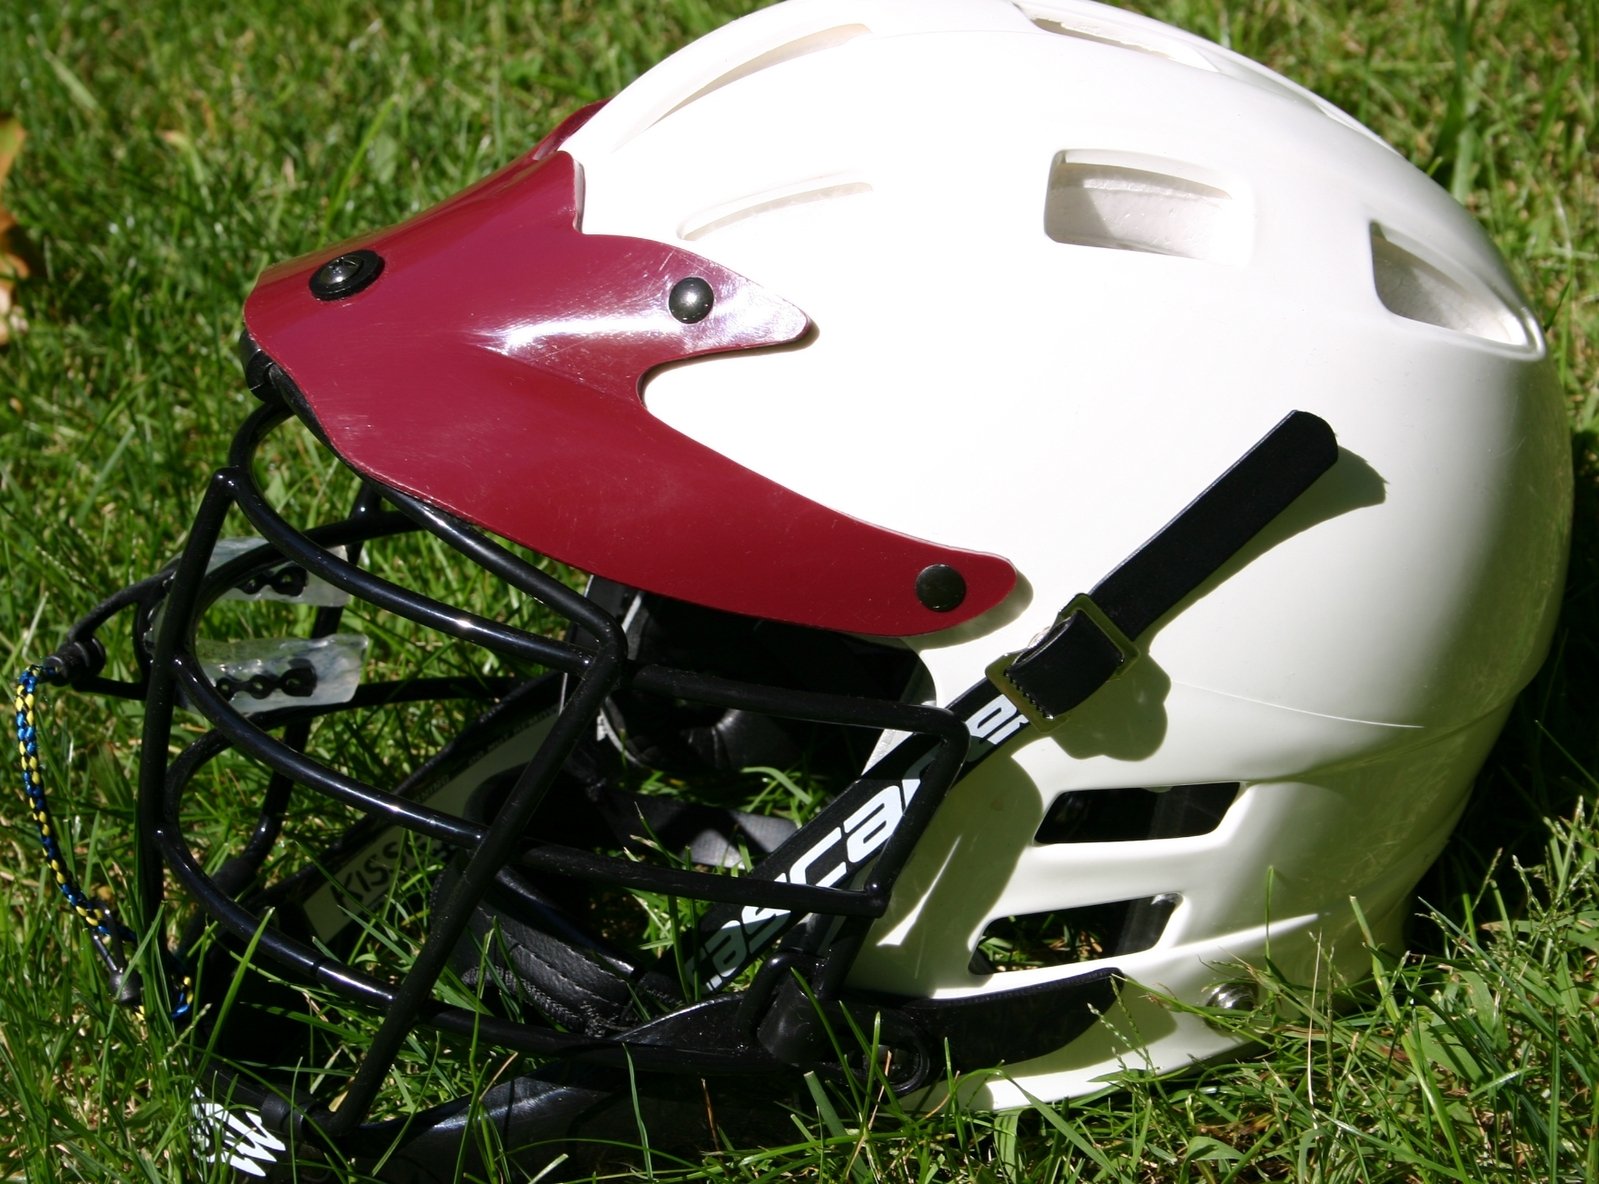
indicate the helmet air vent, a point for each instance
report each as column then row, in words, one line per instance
column 822, row 39
column 1415, row 289
column 1064, row 937
column 1164, row 43
column 770, row 201
column 1131, row 815
column 1086, row 28
column 1136, row 204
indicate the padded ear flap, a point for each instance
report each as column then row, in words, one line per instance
column 701, row 740
column 530, row 936
column 534, row 952
column 531, row 942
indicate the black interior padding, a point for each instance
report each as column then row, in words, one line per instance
column 697, row 740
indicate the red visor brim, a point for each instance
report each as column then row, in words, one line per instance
column 493, row 369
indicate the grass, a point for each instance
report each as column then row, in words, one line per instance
column 173, row 151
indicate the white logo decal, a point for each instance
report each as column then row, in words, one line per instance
column 862, row 834
column 996, row 722
column 237, row 1138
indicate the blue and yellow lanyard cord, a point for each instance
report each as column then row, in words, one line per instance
column 111, row 938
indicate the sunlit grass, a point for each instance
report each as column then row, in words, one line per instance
column 174, row 151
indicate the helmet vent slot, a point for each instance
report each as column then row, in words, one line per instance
column 1085, row 28
column 771, row 201
column 1415, row 289
column 1130, row 206
column 1148, row 41
column 1064, row 937
column 822, row 39
column 1132, row 815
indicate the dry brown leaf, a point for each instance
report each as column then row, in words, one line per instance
column 13, row 268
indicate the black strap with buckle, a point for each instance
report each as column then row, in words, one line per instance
column 1095, row 636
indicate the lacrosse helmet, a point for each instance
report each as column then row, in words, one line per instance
column 972, row 523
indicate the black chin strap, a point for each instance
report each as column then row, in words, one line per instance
column 1090, row 643
column 1095, row 636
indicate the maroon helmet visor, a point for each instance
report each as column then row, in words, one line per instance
column 486, row 356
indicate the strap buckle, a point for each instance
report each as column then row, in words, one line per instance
column 1082, row 651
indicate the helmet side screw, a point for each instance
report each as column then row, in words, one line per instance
column 1232, row 997
column 691, row 300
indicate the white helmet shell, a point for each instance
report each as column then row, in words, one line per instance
column 1064, row 266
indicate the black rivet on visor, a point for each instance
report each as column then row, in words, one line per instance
column 691, row 300
column 346, row 275
column 257, row 367
column 940, row 587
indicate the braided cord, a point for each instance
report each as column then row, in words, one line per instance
column 110, row 936
column 96, row 915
